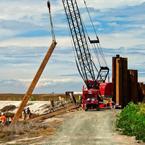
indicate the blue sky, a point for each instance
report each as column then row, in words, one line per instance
column 25, row 37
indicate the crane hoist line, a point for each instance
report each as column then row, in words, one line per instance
column 39, row 72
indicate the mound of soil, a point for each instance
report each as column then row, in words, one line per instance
column 8, row 108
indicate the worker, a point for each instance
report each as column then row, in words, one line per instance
column 24, row 114
column 28, row 113
column 8, row 120
column 111, row 103
column 3, row 119
column 52, row 106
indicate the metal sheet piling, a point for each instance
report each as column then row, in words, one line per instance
column 133, row 85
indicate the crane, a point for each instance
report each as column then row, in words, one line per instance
column 92, row 76
column 39, row 72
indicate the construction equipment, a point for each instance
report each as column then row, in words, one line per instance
column 39, row 72
column 96, row 89
column 72, row 97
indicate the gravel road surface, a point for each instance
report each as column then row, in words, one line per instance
column 90, row 128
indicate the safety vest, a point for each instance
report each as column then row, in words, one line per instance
column 3, row 118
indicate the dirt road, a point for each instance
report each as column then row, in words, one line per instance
column 89, row 128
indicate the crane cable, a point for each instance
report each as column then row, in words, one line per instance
column 97, row 56
column 94, row 46
column 98, row 46
column 101, row 52
column 51, row 23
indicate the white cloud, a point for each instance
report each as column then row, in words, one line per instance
column 32, row 9
column 45, row 81
column 114, row 40
column 36, row 42
column 23, row 10
column 103, row 4
column 127, row 39
column 18, row 17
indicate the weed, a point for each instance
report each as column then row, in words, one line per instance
column 131, row 121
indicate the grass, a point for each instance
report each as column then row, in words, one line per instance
column 25, row 129
column 131, row 121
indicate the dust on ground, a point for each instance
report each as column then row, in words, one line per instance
column 90, row 128
column 76, row 128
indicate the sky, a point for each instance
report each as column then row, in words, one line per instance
column 25, row 37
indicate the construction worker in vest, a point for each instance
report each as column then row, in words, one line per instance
column 28, row 113
column 3, row 119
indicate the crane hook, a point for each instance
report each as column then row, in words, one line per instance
column 48, row 5
column 51, row 23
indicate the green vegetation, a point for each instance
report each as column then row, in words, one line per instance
column 131, row 121
column 32, row 98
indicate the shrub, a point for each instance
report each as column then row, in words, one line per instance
column 32, row 98
column 131, row 121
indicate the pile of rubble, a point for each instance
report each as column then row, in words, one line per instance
column 36, row 107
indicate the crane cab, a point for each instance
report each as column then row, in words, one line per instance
column 90, row 99
column 97, row 98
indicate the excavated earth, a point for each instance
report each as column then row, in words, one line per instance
column 78, row 128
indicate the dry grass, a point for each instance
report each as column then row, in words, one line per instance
column 27, row 129
column 35, row 97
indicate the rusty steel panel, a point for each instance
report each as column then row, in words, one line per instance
column 114, row 78
column 125, row 98
column 141, row 91
column 133, row 85
column 118, row 81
